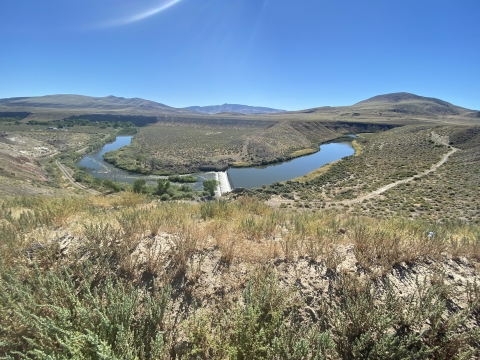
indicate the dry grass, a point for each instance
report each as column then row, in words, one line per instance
column 314, row 174
column 199, row 258
column 302, row 152
column 358, row 147
column 246, row 230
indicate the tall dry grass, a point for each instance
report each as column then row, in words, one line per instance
column 244, row 230
column 99, row 297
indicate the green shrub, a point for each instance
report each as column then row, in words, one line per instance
column 51, row 315
column 210, row 186
column 183, row 179
column 109, row 184
column 139, row 186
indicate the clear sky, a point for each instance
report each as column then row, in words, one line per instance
column 287, row 54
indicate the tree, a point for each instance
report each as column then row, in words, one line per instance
column 112, row 185
column 139, row 186
column 162, row 186
column 210, row 186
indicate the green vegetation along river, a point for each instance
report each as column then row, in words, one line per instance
column 239, row 177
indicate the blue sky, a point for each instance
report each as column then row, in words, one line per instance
column 288, row 54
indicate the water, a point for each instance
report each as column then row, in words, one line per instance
column 243, row 177
column 257, row 176
column 99, row 168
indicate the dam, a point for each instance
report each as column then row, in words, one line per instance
column 247, row 178
column 224, row 185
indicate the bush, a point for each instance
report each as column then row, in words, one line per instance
column 109, row 184
column 210, row 186
column 183, row 179
column 139, row 186
column 51, row 316
column 162, row 186
column 165, row 197
column 186, row 188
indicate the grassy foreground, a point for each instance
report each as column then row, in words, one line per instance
column 125, row 277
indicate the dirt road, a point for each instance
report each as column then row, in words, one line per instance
column 404, row 181
column 74, row 183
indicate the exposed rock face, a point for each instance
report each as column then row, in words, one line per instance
column 216, row 167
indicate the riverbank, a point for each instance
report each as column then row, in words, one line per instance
column 245, row 177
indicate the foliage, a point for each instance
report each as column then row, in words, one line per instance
column 183, row 179
column 165, row 197
column 54, row 315
column 109, row 184
column 126, row 277
column 139, row 186
column 210, row 186
column 162, row 186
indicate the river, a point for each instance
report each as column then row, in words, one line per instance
column 239, row 177
column 257, row 176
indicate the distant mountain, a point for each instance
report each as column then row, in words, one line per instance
column 87, row 103
column 412, row 104
column 394, row 98
column 398, row 107
column 232, row 108
column 395, row 105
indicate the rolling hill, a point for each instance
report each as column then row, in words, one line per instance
column 395, row 108
column 398, row 108
column 87, row 103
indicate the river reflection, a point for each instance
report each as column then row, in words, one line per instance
column 257, row 176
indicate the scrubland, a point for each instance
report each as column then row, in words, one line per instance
column 172, row 148
column 450, row 192
column 28, row 153
column 127, row 277
column 319, row 275
column 176, row 148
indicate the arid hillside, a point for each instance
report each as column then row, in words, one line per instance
column 127, row 277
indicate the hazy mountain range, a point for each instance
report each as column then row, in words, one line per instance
column 388, row 107
column 81, row 102
column 233, row 108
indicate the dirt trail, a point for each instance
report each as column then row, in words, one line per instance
column 404, row 181
column 74, row 183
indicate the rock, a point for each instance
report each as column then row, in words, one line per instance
column 239, row 190
column 33, row 249
column 342, row 231
column 65, row 243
